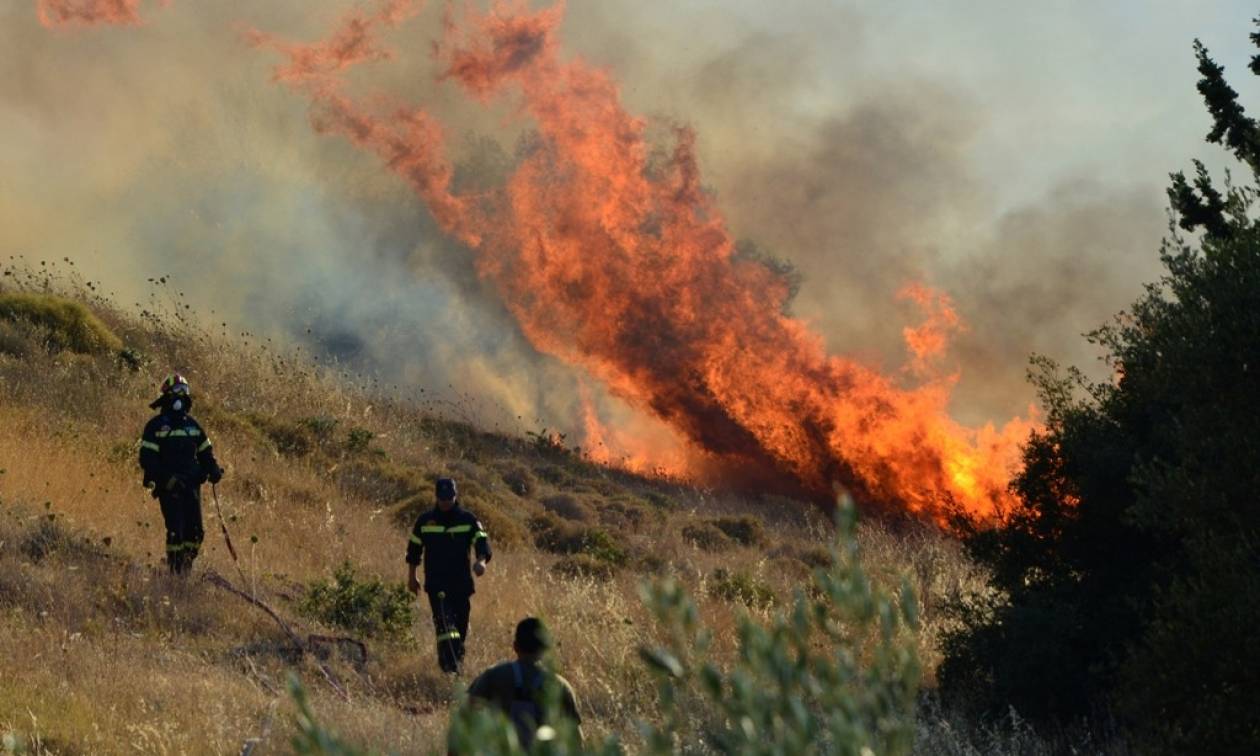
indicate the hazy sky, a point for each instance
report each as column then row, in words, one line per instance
column 1012, row 154
column 1061, row 89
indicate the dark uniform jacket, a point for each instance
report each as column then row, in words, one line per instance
column 174, row 444
column 444, row 540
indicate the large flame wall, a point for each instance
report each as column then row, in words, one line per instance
column 618, row 262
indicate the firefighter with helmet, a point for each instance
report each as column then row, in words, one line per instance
column 443, row 537
column 176, row 457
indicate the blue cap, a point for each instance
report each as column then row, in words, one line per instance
column 446, row 489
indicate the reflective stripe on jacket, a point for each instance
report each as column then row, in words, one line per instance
column 444, row 540
column 174, row 444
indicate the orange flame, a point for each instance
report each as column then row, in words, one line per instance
column 627, row 270
column 928, row 342
column 644, row 452
column 58, row 13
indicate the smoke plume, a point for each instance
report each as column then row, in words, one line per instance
column 606, row 293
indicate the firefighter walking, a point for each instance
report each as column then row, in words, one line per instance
column 443, row 538
column 176, row 457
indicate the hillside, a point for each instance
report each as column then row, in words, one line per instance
column 104, row 651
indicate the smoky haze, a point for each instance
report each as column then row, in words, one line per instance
column 166, row 148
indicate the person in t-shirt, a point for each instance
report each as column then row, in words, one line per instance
column 520, row 688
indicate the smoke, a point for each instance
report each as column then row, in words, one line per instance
column 185, row 159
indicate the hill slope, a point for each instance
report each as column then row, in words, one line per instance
column 105, row 652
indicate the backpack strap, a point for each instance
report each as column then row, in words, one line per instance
column 523, row 690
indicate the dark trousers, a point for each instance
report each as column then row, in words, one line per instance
column 450, row 621
column 182, row 513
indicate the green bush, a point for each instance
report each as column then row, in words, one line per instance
column 366, row 606
column 835, row 673
column 554, row 474
column 742, row 588
column 567, row 507
column 1127, row 573
column 44, row 538
column 745, row 530
column 15, row 341
column 622, row 514
column 704, row 535
column 584, row 566
column 660, row 500
column 68, row 324
column 520, row 480
column 359, row 440
column 560, row 537
column 321, row 427
column 290, row 438
column 381, row 481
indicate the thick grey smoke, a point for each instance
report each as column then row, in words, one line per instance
column 166, row 149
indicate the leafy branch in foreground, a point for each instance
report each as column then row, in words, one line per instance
column 836, row 673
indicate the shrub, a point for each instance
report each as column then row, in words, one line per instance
column 365, row 606
column 814, row 556
column 553, row 474
column 378, row 480
column 45, row 537
column 519, row 480
column 505, row 531
column 548, row 443
column 68, row 324
column 660, row 500
column 705, row 536
column 359, row 440
column 561, row 537
column 741, row 587
column 837, row 673
column 622, row 515
column 13, row 341
column 292, row 439
column 584, row 566
column 321, row 428
column 567, row 507
column 745, row 530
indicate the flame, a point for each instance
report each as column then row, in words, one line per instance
column 643, row 451
column 623, row 266
column 928, row 342
column 59, row 13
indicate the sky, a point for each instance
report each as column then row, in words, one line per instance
column 1012, row 155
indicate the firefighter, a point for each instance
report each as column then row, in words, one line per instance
column 177, row 459
column 443, row 537
column 520, row 688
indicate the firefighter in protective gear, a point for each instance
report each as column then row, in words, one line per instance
column 177, row 459
column 443, row 537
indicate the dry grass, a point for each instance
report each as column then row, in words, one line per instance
column 104, row 653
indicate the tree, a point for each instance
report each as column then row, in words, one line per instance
column 1128, row 577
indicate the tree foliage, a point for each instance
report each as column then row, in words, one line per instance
column 1129, row 575
column 835, row 674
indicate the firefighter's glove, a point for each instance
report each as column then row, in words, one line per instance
column 150, row 485
column 215, row 475
column 413, row 585
column 479, row 567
